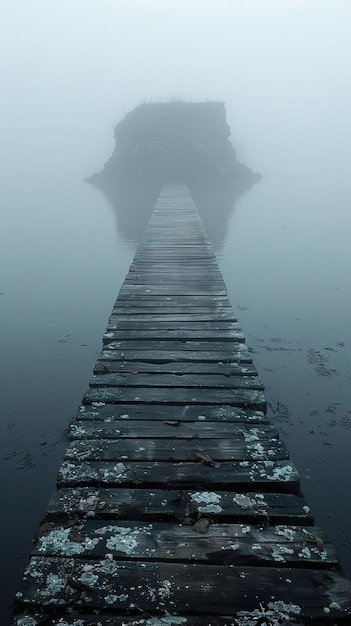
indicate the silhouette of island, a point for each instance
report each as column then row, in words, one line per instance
column 184, row 142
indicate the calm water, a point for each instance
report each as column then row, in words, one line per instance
column 286, row 263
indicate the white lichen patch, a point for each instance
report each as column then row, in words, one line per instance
column 201, row 417
column 335, row 605
column 284, row 608
column 245, row 502
column 284, row 473
column 210, row 508
column 112, row 598
column 305, row 553
column 58, row 542
column 54, row 584
column 287, row 533
column 71, row 471
column 88, row 578
column 279, row 553
column 77, row 431
column 108, row 565
column 165, row 590
column 249, row 438
column 88, row 504
column 26, row 621
column 232, row 546
column 257, row 451
column 123, row 539
column 207, row 497
column 277, row 613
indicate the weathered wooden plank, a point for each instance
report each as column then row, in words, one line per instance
column 136, row 290
column 170, row 429
column 180, row 334
column 224, row 350
column 108, row 583
column 277, row 476
column 190, row 276
column 125, row 619
column 115, row 323
column 176, row 300
column 169, row 305
column 183, row 367
column 146, row 379
column 161, row 314
column 128, row 351
column 159, row 412
column 176, row 285
column 177, row 505
column 247, row 398
column 236, row 544
column 181, row 266
column 160, row 449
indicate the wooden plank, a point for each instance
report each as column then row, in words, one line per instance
column 113, row 619
column 187, row 277
column 163, row 315
column 278, row 476
column 246, row 398
column 230, row 544
column 167, row 306
column 168, row 290
column 180, row 334
column 173, row 300
column 158, row 412
column 181, row 266
column 117, row 351
column 224, row 350
column 108, row 583
column 182, row 367
column 147, row 379
column 210, row 451
column 115, row 323
column 170, row 429
column 177, row 505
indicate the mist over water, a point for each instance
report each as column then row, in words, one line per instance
column 70, row 72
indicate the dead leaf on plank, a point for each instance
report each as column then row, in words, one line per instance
column 204, row 457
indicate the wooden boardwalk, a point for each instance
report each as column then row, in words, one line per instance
column 177, row 502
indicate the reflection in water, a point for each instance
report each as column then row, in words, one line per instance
column 174, row 142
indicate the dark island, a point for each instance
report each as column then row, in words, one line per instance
column 180, row 142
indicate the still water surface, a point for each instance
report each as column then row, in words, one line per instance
column 285, row 260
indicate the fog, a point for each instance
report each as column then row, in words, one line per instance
column 70, row 71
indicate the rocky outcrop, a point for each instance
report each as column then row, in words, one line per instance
column 176, row 141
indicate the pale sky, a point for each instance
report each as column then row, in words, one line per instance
column 71, row 69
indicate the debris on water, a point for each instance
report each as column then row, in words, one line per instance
column 26, row 461
column 332, row 406
column 316, row 358
column 346, row 419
